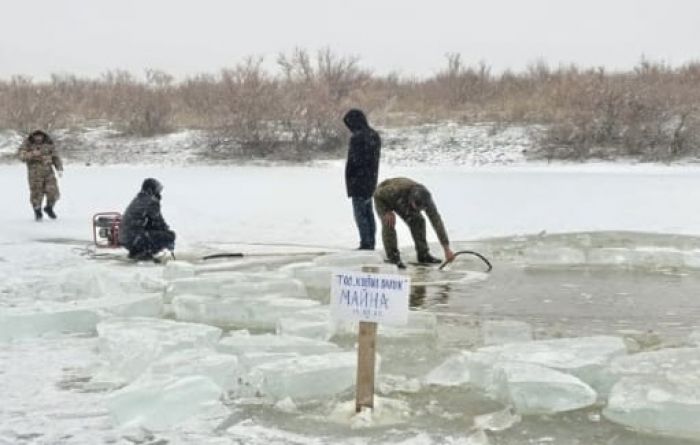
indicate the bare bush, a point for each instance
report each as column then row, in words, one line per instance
column 295, row 111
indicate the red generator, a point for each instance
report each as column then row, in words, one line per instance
column 105, row 229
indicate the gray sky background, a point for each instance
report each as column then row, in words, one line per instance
column 88, row 37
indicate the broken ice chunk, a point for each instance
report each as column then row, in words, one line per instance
column 583, row 357
column 16, row 324
column 130, row 345
column 421, row 325
column 675, row 364
column 240, row 343
column 222, row 369
column 312, row 323
column 454, row 371
column 283, row 287
column 209, row 285
column 655, row 405
column 498, row 332
column 160, row 404
column 533, row 389
column 317, row 281
column 308, row 377
column 238, row 313
column 250, row 360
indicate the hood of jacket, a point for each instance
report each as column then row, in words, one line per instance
column 47, row 139
column 355, row 120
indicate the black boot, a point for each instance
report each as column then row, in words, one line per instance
column 428, row 259
column 49, row 211
column 396, row 261
column 37, row 214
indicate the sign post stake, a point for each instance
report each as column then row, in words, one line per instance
column 366, row 359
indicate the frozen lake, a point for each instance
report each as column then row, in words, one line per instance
column 594, row 282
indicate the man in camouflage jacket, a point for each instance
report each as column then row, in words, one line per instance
column 407, row 198
column 41, row 157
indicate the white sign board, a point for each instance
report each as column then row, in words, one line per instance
column 362, row 296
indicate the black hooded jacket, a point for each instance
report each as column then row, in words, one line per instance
column 362, row 167
column 143, row 214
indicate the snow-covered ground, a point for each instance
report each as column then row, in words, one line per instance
column 421, row 145
column 62, row 388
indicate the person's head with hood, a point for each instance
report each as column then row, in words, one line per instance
column 355, row 120
column 39, row 137
column 152, row 187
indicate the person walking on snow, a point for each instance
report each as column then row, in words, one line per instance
column 41, row 157
column 407, row 198
column 143, row 230
column 361, row 173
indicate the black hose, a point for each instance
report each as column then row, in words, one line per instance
column 223, row 255
column 470, row 252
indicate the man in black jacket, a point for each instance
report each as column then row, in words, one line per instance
column 361, row 173
column 143, row 231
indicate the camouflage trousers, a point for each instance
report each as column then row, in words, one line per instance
column 40, row 185
column 416, row 223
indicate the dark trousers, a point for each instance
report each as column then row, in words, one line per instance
column 416, row 223
column 150, row 242
column 364, row 218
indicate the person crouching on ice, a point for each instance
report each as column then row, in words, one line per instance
column 408, row 199
column 40, row 155
column 143, row 231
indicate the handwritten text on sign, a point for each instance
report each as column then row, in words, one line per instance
column 361, row 296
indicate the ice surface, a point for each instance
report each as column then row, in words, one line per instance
column 534, row 389
column 497, row 332
column 630, row 257
column 386, row 412
column 388, row 384
column 350, row 259
column 498, row 420
column 308, row 377
column 238, row 313
column 656, row 405
column 131, row 345
column 642, row 257
column 242, row 342
column 554, row 256
column 178, row 269
column 160, row 404
column 694, row 337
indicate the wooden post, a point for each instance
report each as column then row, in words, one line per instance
column 366, row 359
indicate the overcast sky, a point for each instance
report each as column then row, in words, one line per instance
column 88, row 37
